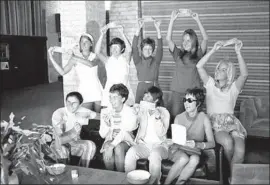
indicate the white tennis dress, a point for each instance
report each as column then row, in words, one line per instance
column 89, row 84
column 117, row 72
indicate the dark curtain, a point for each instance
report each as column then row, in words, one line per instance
column 22, row 18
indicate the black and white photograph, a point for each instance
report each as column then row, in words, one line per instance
column 134, row 92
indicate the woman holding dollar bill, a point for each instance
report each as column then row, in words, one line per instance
column 147, row 65
column 84, row 61
column 186, row 57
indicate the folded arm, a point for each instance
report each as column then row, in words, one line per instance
column 162, row 124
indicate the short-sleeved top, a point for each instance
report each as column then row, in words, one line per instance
column 185, row 74
column 147, row 68
column 217, row 101
column 195, row 128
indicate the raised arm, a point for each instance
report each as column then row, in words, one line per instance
column 135, row 49
column 240, row 82
column 159, row 53
column 58, row 68
column 102, row 57
column 200, row 65
column 169, row 33
column 195, row 16
column 127, row 43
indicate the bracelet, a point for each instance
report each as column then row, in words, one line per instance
column 204, row 145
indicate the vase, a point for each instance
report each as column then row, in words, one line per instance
column 13, row 179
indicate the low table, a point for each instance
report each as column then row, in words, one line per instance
column 86, row 176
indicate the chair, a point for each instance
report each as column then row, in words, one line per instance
column 254, row 115
column 210, row 169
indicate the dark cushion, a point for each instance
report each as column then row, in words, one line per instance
column 166, row 165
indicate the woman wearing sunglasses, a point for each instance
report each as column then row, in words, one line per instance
column 197, row 127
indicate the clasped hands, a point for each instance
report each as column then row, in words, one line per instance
column 238, row 44
column 184, row 12
column 141, row 22
column 112, row 25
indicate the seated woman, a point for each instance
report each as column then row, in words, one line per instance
column 116, row 125
column 153, row 126
column 221, row 95
column 197, row 127
column 67, row 122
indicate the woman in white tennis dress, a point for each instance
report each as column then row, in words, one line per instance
column 84, row 62
column 117, row 65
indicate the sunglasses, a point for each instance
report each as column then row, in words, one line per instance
column 188, row 100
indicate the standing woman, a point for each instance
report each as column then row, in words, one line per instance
column 85, row 63
column 147, row 65
column 117, row 64
column 186, row 58
column 221, row 95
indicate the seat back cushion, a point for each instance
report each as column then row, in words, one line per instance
column 262, row 106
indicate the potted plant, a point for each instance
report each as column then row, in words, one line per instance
column 26, row 151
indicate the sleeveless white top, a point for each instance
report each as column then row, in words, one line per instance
column 117, row 72
column 89, row 84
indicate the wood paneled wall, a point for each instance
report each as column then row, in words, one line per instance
column 245, row 20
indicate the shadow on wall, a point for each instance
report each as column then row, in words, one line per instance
column 93, row 28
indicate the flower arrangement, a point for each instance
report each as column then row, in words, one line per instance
column 24, row 150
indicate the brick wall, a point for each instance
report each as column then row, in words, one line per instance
column 51, row 8
column 126, row 13
column 87, row 16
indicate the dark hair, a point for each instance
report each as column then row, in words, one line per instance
column 76, row 94
column 148, row 41
column 198, row 94
column 85, row 36
column 157, row 94
column 195, row 44
column 119, row 41
column 121, row 89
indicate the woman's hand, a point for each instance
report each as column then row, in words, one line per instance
column 190, row 143
column 107, row 119
column 238, row 46
column 174, row 147
column 121, row 29
column 174, row 15
column 109, row 152
column 104, row 29
column 195, row 16
column 136, row 108
column 218, row 45
column 51, row 51
column 157, row 114
column 140, row 23
column 157, row 24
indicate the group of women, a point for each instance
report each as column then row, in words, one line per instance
column 190, row 58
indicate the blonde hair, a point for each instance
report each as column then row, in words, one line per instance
column 231, row 71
